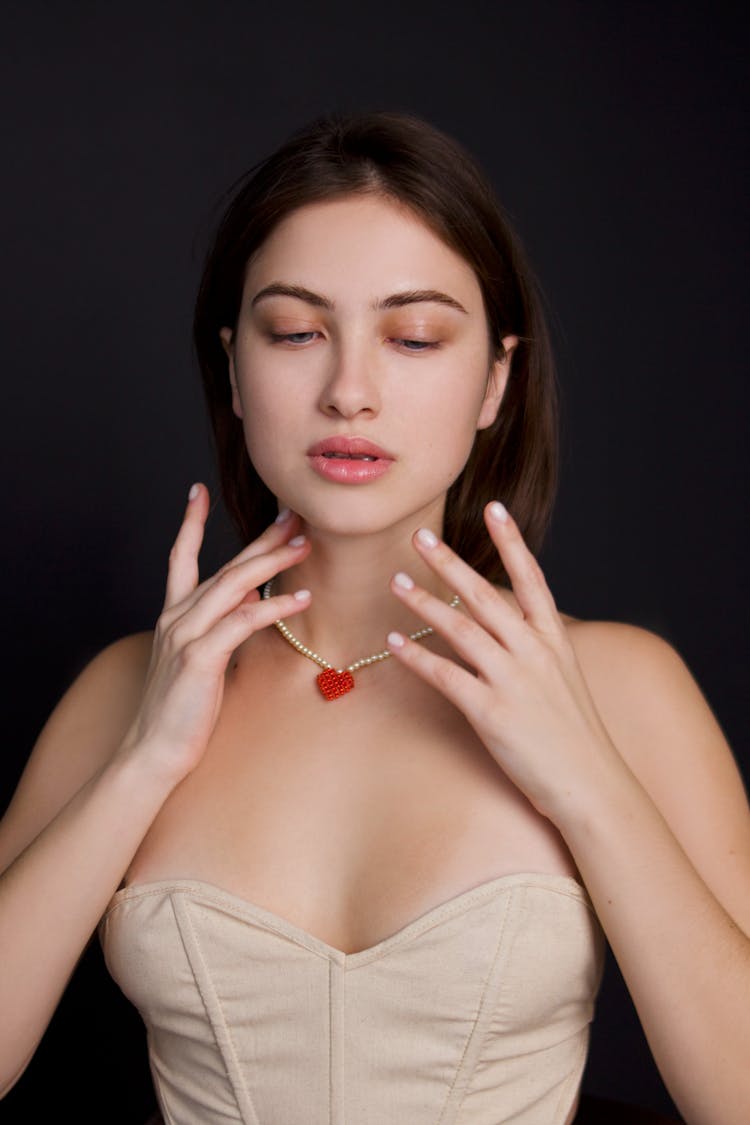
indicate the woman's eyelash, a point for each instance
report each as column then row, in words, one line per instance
column 278, row 337
column 423, row 344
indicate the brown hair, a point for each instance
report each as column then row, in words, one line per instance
column 401, row 157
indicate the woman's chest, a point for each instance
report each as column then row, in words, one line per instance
column 349, row 821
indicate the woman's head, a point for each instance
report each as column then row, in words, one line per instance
column 424, row 175
column 359, row 325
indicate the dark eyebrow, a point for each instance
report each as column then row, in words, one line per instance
column 395, row 301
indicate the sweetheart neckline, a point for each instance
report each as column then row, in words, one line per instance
column 454, row 905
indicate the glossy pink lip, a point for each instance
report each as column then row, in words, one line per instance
column 348, row 467
column 355, row 446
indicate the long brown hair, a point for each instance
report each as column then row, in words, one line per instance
column 401, row 157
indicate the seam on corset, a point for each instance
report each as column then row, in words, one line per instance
column 470, row 1037
column 577, row 1070
column 203, row 981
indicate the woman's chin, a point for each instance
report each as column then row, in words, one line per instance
column 354, row 517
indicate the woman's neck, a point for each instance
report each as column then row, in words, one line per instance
column 352, row 607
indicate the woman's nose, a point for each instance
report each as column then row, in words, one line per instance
column 350, row 387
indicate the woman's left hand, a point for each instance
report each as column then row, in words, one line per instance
column 527, row 700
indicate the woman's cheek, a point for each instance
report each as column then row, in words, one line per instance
column 264, row 443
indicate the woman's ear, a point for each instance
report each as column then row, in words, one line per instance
column 496, row 383
column 227, row 336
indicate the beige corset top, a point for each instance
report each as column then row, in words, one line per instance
column 476, row 1013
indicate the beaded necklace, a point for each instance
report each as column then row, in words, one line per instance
column 335, row 682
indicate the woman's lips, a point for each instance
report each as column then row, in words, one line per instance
column 349, row 460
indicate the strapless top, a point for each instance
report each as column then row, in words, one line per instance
column 476, row 1013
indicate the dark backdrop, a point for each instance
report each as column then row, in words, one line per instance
column 613, row 132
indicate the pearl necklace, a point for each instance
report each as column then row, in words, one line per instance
column 335, row 682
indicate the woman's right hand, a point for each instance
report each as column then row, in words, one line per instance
column 200, row 626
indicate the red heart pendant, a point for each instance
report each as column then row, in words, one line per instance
column 333, row 683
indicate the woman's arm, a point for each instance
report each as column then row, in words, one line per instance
column 83, row 805
column 664, row 851
column 630, row 765
column 134, row 724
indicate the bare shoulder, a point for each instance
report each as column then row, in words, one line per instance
column 644, row 684
column 661, row 722
column 82, row 733
column 651, row 703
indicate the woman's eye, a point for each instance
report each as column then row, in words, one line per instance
column 295, row 338
column 277, row 337
column 421, row 345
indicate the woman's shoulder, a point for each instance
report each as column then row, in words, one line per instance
column 662, row 724
column 126, row 659
column 620, row 659
column 108, row 687
column 80, row 736
column 101, row 702
column 640, row 683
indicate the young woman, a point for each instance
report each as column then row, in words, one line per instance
column 349, row 876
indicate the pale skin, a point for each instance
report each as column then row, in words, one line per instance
column 515, row 739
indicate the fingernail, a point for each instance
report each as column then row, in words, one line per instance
column 396, row 640
column 498, row 511
column 403, row 580
column 193, row 492
column 301, row 595
column 297, row 541
column 283, row 515
column 426, row 537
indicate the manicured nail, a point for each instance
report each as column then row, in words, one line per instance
column 498, row 511
column 403, row 580
column 426, row 537
column 283, row 515
column 193, row 492
column 301, row 595
column 396, row 640
column 297, row 541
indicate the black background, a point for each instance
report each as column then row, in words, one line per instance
column 614, row 134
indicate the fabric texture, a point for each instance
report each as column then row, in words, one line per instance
column 476, row 1013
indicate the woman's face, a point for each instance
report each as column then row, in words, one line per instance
column 354, row 360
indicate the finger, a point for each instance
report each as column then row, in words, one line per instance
column 481, row 599
column 182, row 576
column 459, row 686
column 285, row 525
column 249, row 617
column 280, row 531
column 469, row 639
column 215, row 600
column 271, row 539
column 526, row 575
